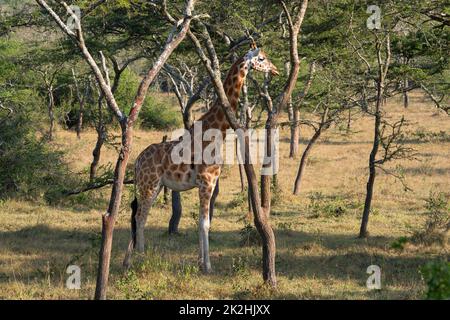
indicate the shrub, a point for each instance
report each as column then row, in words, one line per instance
column 437, row 278
column 249, row 236
column 319, row 206
column 29, row 167
column 159, row 116
column 157, row 113
column 438, row 221
column 239, row 200
column 400, row 243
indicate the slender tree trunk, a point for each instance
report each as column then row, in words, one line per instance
column 101, row 137
column 80, row 121
column 96, row 153
column 372, row 170
column 371, row 181
column 51, row 113
column 295, row 134
column 405, row 93
column 294, row 116
column 241, row 176
column 383, row 67
column 304, row 159
column 261, row 220
column 349, row 120
column 109, row 219
column 177, row 211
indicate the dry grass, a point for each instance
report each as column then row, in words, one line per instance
column 317, row 256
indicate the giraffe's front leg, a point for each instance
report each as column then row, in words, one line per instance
column 205, row 193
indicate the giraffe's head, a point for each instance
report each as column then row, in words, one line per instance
column 258, row 60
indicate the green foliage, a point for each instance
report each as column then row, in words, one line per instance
column 240, row 266
column 159, row 115
column 422, row 135
column 320, row 206
column 400, row 243
column 437, row 278
column 438, row 220
column 239, row 200
column 249, row 236
column 29, row 167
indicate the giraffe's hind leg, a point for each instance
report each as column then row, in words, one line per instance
column 140, row 209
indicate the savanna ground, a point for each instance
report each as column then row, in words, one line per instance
column 318, row 253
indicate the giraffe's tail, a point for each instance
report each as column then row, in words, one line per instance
column 134, row 208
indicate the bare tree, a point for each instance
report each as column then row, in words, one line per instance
column 126, row 122
column 49, row 78
column 382, row 43
column 81, row 98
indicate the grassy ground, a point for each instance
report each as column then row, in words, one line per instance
column 318, row 254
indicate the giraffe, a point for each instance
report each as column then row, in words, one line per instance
column 155, row 168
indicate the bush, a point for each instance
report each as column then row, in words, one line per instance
column 29, row 167
column 319, row 206
column 159, row 116
column 438, row 221
column 249, row 236
column 157, row 113
column 437, row 278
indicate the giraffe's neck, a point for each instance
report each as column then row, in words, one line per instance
column 215, row 117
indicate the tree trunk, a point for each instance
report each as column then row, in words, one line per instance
column 304, row 159
column 295, row 134
column 80, row 121
column 262, row 224
column 101, row 137
column 51, row 113
column 177, row 211
column 349, row 120
column 109, row 219
column 383, row 67
column 405, row 93
column 372, row 170
column 96, row 153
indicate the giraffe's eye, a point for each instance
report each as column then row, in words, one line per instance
column 261, row 59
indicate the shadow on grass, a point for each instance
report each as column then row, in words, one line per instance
column 42, row 250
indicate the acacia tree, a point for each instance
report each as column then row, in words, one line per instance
column 260, row 202
column 126, row 122
column 383, row 74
